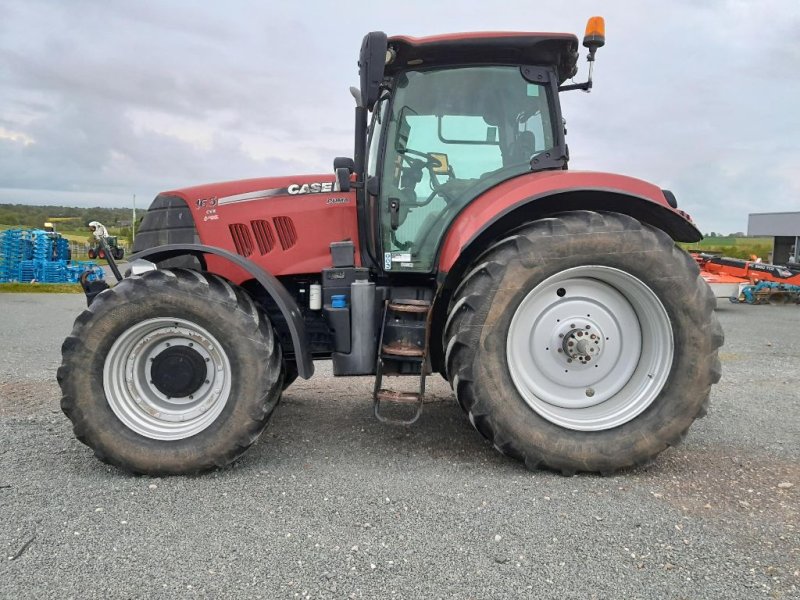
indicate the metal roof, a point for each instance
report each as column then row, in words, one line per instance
column 487, row 47
column 774, row 224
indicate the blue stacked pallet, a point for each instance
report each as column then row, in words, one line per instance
column 28, row 255
column 54, row 272
column 27, row 271
column 62, row 249
column 77, row 268
column 10, row 254
column 42, row 245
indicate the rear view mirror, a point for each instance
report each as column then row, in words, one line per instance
column 466, row 129
column 371, row 62
column 344, row 162
column 343, row 179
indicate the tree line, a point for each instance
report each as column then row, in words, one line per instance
column 25, row 216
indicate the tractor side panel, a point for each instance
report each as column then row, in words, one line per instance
column 284, row 225
column 526, row 189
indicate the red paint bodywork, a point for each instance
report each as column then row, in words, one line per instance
column 519, row 190
column 317, row 222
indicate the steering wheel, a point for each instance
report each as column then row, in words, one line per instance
column 430, row 162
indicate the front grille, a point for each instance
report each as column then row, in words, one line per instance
column 265, row 239
column 167, row 221
column 286, row 232
column 242, row 239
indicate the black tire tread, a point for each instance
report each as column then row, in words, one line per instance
column 468, row 311
column 244, row 317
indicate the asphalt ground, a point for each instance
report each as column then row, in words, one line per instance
column 332, row 504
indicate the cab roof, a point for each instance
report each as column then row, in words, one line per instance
column 487, row 47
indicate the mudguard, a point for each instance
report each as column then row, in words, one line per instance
column 284, row 300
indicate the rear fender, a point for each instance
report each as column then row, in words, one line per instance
column 538, row 195
column 523, row 199
column 283, row 299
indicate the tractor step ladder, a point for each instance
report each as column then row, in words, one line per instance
column 402, row 350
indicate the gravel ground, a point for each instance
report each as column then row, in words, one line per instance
column 332, row 504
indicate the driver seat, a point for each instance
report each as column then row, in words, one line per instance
column 522, row 148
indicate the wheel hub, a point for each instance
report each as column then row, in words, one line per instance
column 167, row 379
column 590, row 348
column 179, row 371
column 581, row 341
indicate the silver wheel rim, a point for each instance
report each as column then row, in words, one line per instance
column 140, row 405
column 590, row 348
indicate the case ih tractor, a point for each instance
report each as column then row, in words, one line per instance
column 574, row 332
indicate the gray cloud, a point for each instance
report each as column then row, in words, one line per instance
column 101, row 101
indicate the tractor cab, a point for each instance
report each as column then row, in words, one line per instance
column 452, row 117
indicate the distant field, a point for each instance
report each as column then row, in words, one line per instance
column 710, row 242
column 736, row 247
column 72, row 236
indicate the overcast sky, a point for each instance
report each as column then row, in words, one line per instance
column 103, row 100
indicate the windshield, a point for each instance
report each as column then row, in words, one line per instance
column 450, row 132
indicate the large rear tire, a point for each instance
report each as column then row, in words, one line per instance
column 170, row 372
column 584, row 342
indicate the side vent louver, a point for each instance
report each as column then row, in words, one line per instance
column 265, row 239
column 242, row 239
column 286, row 232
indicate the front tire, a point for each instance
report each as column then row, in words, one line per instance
column 170, row 372
column 585, row 342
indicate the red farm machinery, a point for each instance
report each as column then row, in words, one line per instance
column 574, row 332
column 750, row 281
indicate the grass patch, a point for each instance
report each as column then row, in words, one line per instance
column 40, row 288
column 735, row 247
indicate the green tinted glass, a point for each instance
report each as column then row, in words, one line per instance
column 451, row 132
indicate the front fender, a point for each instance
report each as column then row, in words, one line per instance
column 284, row 300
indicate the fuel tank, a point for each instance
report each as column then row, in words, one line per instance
column 283, row 224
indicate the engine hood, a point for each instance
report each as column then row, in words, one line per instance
column 231, row 192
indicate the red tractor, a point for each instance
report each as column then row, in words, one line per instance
column 574, row 332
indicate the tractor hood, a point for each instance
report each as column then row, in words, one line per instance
column 285, row 224
column 246, row 190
